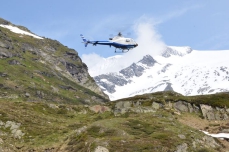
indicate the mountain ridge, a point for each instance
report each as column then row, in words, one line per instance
column 181, row 69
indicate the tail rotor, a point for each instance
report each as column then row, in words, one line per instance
column 85, row 41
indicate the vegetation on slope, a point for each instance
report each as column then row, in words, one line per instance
column 215, row 100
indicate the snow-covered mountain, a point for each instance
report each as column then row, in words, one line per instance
column 187, row 71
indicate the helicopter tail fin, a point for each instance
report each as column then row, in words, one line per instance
column 84, row 40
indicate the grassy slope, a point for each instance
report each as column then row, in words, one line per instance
column 215, row 100
column 32, row 76
column 47, row 127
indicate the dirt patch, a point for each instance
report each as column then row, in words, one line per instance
column 206, row 125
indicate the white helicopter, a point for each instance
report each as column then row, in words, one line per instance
column 118, row 41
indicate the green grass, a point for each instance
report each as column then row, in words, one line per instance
column 216, row 100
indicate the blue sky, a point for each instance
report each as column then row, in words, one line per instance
column 200, row 24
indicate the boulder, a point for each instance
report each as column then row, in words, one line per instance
column 27, row 94
column 156, row 105
column 181, row 106
column 101, row 149
column 208, row 112
column 4, row 53
column 182, row 148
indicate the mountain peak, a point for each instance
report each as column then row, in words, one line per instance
column 148, row 60
column 177, row 51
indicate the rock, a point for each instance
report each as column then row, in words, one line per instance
column 227, row 110
column 99, row 108
column 122, row 107
column 12, row 125
column 6, row 44
column 14, row 62
column 17, row 134
column 70, row 88
column 137, row 104
column 155, row 105
column 1, row 142
column 210, row 115
column 207, row 111
column 210, row 142
column 97, row 100
column 132, row 70
column 101, row 149
column 29, row 47
column 190, row 108
column 181, row 106
column 54, row 89
column 225, row 130
column 80, row 130
column 196, row 108
column 225, row 116
column 4, row 53
column 218, row 116
column 177, row 112
column 3, row 74
column 182, row 136
column 53, row 106
column 123, row 104
column 142, row 110
column 148, row 60
column 182, row 148
column 40, row 94
column 27, row 94
column 2, row 123
column 110, row 81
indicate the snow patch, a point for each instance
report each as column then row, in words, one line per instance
column 19, row 31
column 219, row 135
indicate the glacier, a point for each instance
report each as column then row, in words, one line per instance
column 181, row 69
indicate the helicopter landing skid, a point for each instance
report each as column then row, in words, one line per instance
column 122, row 51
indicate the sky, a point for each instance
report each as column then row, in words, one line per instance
column 200, row 24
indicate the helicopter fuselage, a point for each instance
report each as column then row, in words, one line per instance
column 119, row 42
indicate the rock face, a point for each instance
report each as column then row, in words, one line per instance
column 62, row 61
column 208, row 112
column 108, row 81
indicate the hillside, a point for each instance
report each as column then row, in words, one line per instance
column 141, row 123
column 34, row 68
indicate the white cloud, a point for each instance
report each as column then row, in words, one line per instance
column 149, row 42
column 91, row 59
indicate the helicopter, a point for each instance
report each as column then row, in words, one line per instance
column 119, row 42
